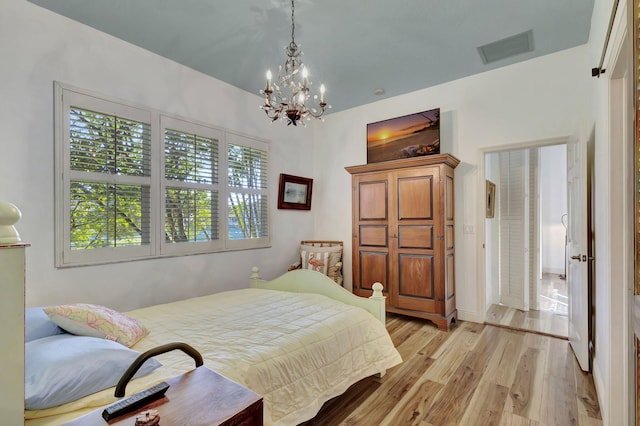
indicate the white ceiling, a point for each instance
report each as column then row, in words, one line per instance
column 352, row 46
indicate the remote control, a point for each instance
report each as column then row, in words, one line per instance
column 135, row 401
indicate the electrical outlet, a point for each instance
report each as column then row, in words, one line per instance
column 467, row 229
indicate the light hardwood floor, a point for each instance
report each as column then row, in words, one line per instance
column 551, row 319
column 475, row 374
column 542, row 322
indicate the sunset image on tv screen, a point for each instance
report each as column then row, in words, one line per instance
column 404, row 137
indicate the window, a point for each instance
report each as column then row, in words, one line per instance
column 132, row 183
column 190, row 186
column 247, row 205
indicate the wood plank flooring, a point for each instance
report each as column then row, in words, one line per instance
column 475, row 374
column 541, row 322
column 551, row 317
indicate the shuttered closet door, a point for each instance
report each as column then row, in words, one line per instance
column 514, row 235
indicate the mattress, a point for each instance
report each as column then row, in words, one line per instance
column 296, row 350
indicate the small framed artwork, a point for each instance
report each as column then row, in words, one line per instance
column 491, row 199
column 294, row 192
column 408, row 136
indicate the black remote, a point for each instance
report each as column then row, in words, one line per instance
column 135, row 401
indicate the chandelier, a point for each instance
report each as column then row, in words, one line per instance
column 286, row 98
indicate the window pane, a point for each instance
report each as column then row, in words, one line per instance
column 190, row 158
column 190, row 215
column 105, row 143
column 247, row 167
column 107, row 215
column 247, row 216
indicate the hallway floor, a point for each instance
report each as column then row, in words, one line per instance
column 551, row 319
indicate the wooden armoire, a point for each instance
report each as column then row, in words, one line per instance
column 403, row 235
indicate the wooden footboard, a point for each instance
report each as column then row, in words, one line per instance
column 308, row 281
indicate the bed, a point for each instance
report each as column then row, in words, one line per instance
column 298, row 341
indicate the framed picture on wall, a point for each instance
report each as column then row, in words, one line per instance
column 491, row 199
column 294, row 192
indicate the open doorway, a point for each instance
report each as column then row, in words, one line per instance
column 526, row 239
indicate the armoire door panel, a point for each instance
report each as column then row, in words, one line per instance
column 374, row 267
column 373, row 236
column 415, row 236
column 373, row 200
column 450, row 290
column 448, row 237
column 416, row 276
column 448, row 198
column 415, row 197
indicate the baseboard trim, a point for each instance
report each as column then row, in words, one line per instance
column 600, row 392
column 471, row 316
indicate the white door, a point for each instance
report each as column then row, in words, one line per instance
column 514, row 229
column 577, row 261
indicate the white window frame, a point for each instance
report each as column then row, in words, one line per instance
column 66, row 96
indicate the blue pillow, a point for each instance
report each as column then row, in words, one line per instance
column 38, row 325
column 63, row 368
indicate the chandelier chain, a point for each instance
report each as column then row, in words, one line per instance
column 293, row 23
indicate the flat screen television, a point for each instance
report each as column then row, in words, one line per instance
column 408, row 136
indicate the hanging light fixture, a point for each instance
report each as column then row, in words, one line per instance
column 286, row 98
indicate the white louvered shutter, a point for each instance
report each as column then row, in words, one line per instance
column 105, row 188
column 513, row 231
column 191, row 189
column 247, row 190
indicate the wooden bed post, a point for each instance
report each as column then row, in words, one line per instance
column 255, row 279
column 378, row 296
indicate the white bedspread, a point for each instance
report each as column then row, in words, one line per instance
column 296, row 350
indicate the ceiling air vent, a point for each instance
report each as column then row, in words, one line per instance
column 507, row 47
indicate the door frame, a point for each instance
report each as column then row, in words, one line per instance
column 481, row 270
column 620, row 222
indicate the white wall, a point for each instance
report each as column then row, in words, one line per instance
column 553, row 204
column 39, row 47
column 538, row 99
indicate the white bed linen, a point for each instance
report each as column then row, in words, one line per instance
column 296, row 350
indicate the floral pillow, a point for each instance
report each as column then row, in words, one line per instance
column 326, row 260
column 85, row 319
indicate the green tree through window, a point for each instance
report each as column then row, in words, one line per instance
column 105, row 213
column 247, row 206
column 191, row 210
column 134, row 183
